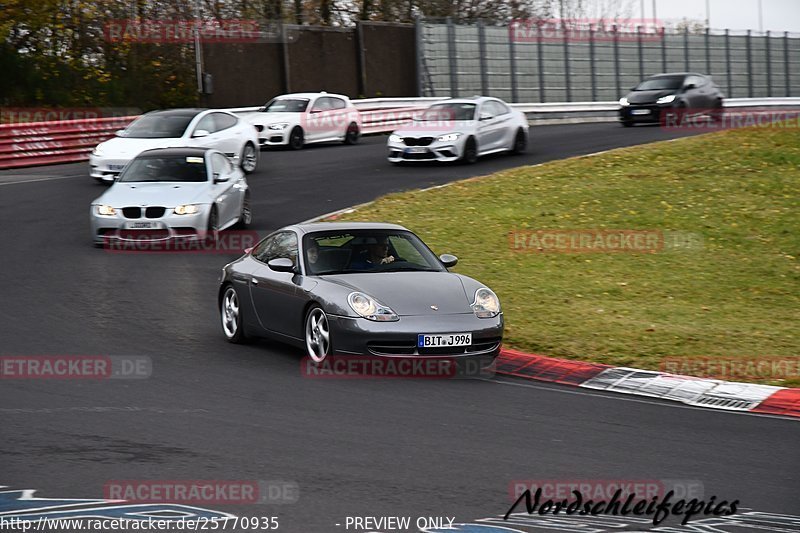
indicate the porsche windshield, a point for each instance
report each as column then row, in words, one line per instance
column 360, row 251
column 159, row 126
column 440, row 112
column 165, row 168
column 668, row 83
column 286, row 105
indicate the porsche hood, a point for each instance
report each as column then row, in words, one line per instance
column 411, row 293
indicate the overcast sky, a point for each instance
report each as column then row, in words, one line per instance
column 779, row 15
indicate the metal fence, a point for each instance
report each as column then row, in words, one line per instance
column 465, row 60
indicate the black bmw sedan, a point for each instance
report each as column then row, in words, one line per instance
column 658, row 95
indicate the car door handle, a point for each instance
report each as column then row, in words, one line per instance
column 255, row 281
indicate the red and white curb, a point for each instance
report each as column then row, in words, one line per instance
column 689, row 390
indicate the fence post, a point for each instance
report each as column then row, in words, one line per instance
column 567, row 79
column 451, row 56
column 592, row 68
column 686, row 49
column 419, row 44
column 361, row 63
column 708, row 51
column 616, row 60
column 285, row 63
column 540, row 59
column 663, row 48
column 728, row 62
column 786, row 62
column 749, row 64
column 639, row 45
column 513, row 59
column 482, row 59
column 769, row 64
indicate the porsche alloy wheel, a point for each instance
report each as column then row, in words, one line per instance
column 231, row 316
column 318, row 335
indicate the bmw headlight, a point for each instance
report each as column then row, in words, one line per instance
column 278, row 126
column 188, row 209
column 369, row 308
column 666, row 99
column 106, row 210
column 450, row 137
column 395, row 138
column 486, row 304
column 624, row 102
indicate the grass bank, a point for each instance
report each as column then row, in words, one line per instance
column 723, row 283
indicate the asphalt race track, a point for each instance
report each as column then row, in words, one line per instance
column 212, row 410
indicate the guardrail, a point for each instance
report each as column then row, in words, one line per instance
column 43, row 143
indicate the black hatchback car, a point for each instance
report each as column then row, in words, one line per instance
column 664, row 93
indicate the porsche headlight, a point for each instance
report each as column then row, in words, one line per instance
column 486, row 304
column 106, row 210
column 666, row 99
column 450, row 137
column 624, row 102
column 97, row 152
column 369, row 308
column 188, row 209
column 395, row 138
column 278, row 126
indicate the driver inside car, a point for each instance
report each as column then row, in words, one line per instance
column 377, row 254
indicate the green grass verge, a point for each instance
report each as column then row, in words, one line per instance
column 734, row 294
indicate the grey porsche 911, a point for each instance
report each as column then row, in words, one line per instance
column 358, row 289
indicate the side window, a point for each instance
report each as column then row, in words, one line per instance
column 697, row 81
column 502, row 109
column 322, row 104
column 337, row 103
column 283, row 244
column 223, row 121
column 220, row 165
column 261, row 250
column 489, row 108
column 206, row 123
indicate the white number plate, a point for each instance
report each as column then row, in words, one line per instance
column 142, row 225
column 416, row 150
column 444, row 340
column 640, row 112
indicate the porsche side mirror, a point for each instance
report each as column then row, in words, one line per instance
column 201, row 133
column 120, row 133
column 448, row 260
column 220, row 179
column 281, row 264
column 689, row 86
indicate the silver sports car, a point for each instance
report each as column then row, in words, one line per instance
column 358, row 289
column 172, row 193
